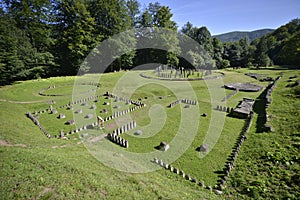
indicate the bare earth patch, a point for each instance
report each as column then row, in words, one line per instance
column 7, row 144
column 98, row 138
column 45, row 191
column 65, row 145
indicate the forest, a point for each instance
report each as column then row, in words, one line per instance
column 52, row 38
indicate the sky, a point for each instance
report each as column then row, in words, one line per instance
column 222, row 16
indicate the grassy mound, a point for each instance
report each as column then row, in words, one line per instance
column 33, row 166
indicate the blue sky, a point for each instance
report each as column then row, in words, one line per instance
column 221, row 16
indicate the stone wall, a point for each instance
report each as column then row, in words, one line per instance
column 36, row 122
column 233, row 156
column 268, row 101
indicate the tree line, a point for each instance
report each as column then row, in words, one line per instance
column 53, row 37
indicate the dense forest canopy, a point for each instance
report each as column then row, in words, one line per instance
column 51, row 38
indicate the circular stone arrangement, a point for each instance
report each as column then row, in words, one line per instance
column 51, row 87
column 246, row 87
column 183, row 79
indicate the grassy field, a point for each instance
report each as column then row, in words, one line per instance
column 268, row 165
column 35, row 167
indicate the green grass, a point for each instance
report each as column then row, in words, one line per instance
column 35, row 167
column 275, row 176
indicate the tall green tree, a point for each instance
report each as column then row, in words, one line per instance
column 35, row 19
column 75, row 35
column 245, row 51
column 111, row 17
column 133, row 11
column 16, row 52
column 290, row 53
column 269, row 49
column 161, row 34
column 203, row 37
column 188, row 30
column 232, row 53
column 218, row 52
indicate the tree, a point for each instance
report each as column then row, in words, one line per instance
column 75, row 39
column 35, row 19
column 162, row 18
column 146, row 20
column 159, row 19
column 16, row 52
column 232, row 53
column 218, row 52
column 196, row 58
column 203, row 36
column 290, row 53
column 133, row 11
column 269, row 49
column 156, row 15
column 111, row 17
column 245, row 51
column 187, row 29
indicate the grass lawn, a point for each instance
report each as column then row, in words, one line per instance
column 35, row 167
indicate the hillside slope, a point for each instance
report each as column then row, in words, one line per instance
column 237, row 35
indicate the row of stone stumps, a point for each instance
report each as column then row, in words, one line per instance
column 232, row 158
column 224, row 109
column 114, row 136
column 36, row 122
column 97, row 85
column 62, row 135
column 185, row 101
column 269, row 91
column 181, row 77
column 69, row 105
column 118, row 131
column 118, row 140
column 128, row 101
column 125, row 128
column 185, row 176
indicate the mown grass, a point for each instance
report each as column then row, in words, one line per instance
column 48, row 169
column 268, row 165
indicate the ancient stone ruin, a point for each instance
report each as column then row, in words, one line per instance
column 89, row 116
column 61, row 116
column 138, row 132
column 246, row 87
column 78, row 111
column 204, row 148
column 244, row 108
column 163, row 146
column 70, row 122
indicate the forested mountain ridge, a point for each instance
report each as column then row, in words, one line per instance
column 235, row 36
column 281, row 47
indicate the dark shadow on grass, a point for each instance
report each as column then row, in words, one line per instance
column 259, row 108
column 281, row 67
column 219, row 172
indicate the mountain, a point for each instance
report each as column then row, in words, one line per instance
column 237, row 35
column 281, row 47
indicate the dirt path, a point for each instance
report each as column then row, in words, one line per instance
column 7, row 144
column 23, row 102
column 66, row 145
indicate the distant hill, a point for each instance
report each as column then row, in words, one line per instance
column 237, row 35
